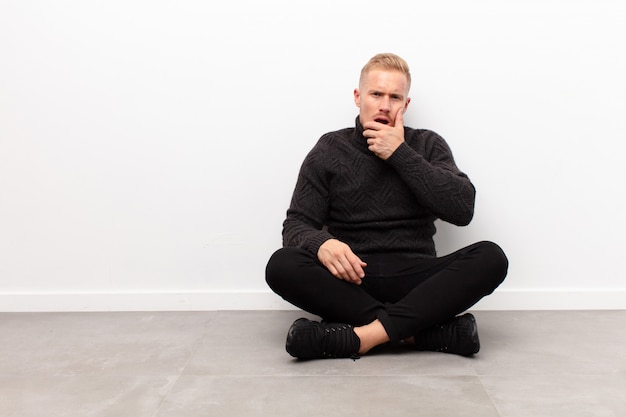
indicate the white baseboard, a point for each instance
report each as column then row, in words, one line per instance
column 266, row 300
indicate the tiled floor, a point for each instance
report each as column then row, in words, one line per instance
column 233, row 363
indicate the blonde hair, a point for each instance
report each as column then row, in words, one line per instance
column 387, row 61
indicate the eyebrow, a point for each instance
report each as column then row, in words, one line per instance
column 394, row 95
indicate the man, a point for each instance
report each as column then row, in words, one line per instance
column 358, row 237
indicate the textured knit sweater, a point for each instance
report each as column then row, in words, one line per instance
column 346, row 192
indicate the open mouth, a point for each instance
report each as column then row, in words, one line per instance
column 383, row 121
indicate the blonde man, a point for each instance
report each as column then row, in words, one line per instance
column 358, row 247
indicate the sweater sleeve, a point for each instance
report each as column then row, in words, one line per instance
column 435, row 179
column 308, row 211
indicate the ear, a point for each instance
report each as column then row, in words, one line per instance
column 357, row 97
column 406, row 105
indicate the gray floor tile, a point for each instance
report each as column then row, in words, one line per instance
column 161, row 364
column 558, row 395
column 403, row 396
column 551, row 342
column 85, row 396
column 253, row 343
column 97, row 343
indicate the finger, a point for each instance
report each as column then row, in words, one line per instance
column 400, row 117
column 355, row 280
column 348, row 270
column 352, row 274
column 370, row 133
column 357, row 267
column 340, row 270
column 333, row 270
column 373, row 126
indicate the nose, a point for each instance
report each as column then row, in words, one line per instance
column 385, row 104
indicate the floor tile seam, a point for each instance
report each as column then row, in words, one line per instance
column 192, row 352
column 31, row 375
column 554, row 374
column 486, row 391
column 166, row 396
column 252, row 376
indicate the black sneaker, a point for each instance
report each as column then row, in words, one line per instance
column 308, row 339
column 458, row 336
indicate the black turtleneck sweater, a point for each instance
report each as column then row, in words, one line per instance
column 346, row 192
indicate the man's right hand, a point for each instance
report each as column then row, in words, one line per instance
column 341, row 261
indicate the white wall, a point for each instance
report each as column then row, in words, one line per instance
column 148, row 149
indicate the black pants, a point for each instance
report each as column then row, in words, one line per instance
column 406, row 296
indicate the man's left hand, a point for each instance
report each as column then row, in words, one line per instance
column 384, row 139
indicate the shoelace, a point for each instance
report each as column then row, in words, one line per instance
column 441, row 337
column 456, row 336
column 340, row 341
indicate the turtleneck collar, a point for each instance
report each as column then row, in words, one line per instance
column 359, row 139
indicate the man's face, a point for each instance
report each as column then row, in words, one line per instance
column 381, row 94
